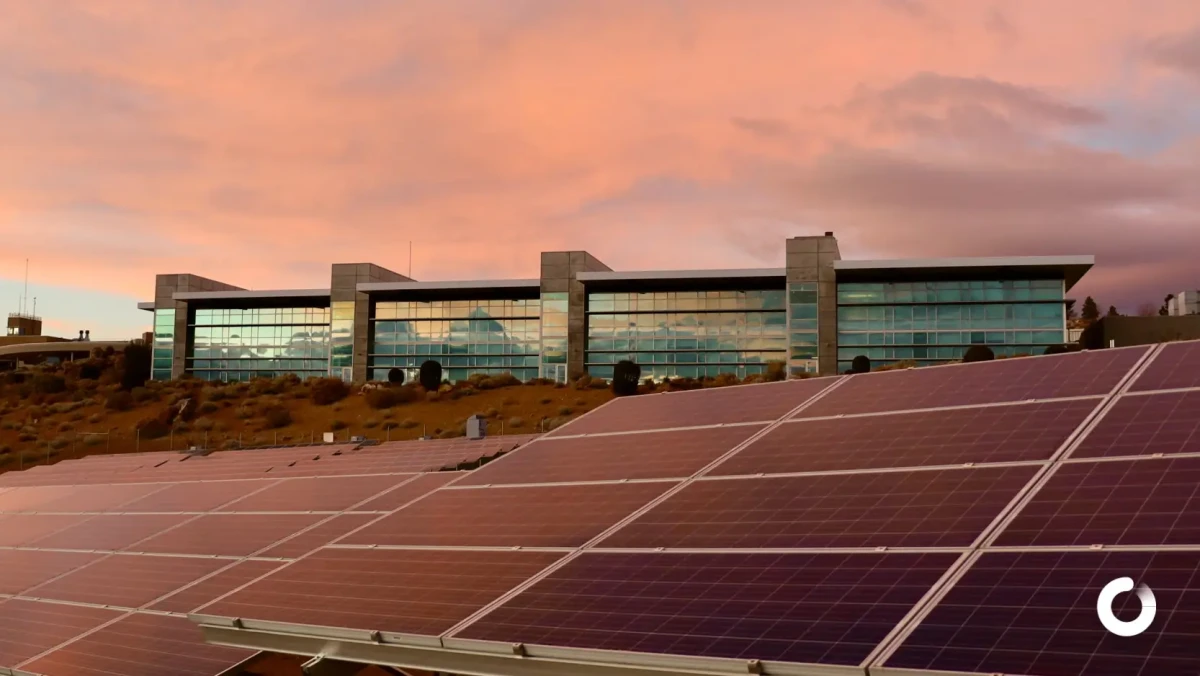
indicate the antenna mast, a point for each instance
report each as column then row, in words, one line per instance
column 25, row 293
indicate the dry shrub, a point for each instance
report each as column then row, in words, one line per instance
column 93, row 440
column 388, row 397
column 516, row 422
column 498, row 381
column 204, row 424
column 142, row 395
column 389, row 425
column 207, row 407
column 371, row 423
column 152, row 428
column 119, row 401
column 896, row 366
column 95, row 419
column 335, row 425
column 565, row 410
column 276, row 417
column 326, row 391
column 408, row 423
column 776, row 371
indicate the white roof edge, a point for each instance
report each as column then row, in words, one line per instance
column 966, row 262
column 680, row 274
column 146, row 305
column 247, row 293
column 453, row 284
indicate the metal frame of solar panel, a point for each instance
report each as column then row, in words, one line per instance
column 142, row 503
column 546, row 619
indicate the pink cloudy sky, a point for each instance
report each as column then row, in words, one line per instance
column 257, row 142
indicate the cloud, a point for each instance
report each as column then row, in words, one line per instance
column 259, row 142
column 1178, row 51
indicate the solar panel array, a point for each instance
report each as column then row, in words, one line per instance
column 103, row 557
column 865, row 521
column 956, row 519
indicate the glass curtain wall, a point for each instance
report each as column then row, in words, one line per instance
column 163, row 348
column 464, row 336
column 341, row 328
column 687, row 333
column 240, row 344
column 802, row 327
column 932, row 322
column 554, row 336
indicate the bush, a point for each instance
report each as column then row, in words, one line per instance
column 390, row 396
column 93, row 440
column 276, row 417
column 433, row 396
column 490, row 413
column 335, row 425
column 408, row 423
column 152, row 428
column 565, row 410
column 371, row 423
column 48, row 383
column 26, row 436
column 625, row 378
column 207, row 407
column 452, row 433
column 545, row 400
column 328, row 391
column 516, row 422
column 95, row 418
column 119, row 401
column 459, row 393
column 430, row 375
column 135, row 366
column 395, row 376
column 389, row 425
column 89, row 371
column 66, row 427
column 204, row 424
column 244, row 412
column 776, row 371
column 142, row 395
column 498, row 381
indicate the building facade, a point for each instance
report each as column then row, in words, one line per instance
column 815, row 315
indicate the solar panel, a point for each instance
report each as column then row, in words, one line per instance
column 194, row 497
column 654, row 455
column 526, row 516
column 22, row 529
column 816, row 608
column 228, row 534
column 128, row 581
column 140, row 644
column 110, row 532
column 318, row 536
column 1138, row 502
column 332, row 494
column 193, row 596
column 1024, row 432
column 407, row 492
column 89, row 498
column 393, row 590
column 29, row 499
column 26, row 568
column 1048, row 377
column 29, row 628
column 1144, row 425
column 693, row 408
column 1176, row 366
column 925, row 508
column 1035, row 613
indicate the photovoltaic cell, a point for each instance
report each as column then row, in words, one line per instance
column 98, row 498
column 127, row 581
column 927, row 508
column 403, row 591
column 525, row 516
column 1049, row 377
column 1025, row 432
column 140, row 644
column 21, row 529
column 815, row 608
column 26, row 568
column 405, row 493
column 29, row 628
column 201, row 593
column 1144, row 425
column 1139, row 502
column 1034, row 613
column 332, row 494
column 228, row 534
column 318, row 536
column 1177, row 366
column 31, row 498
column 110, row 532
column 698, row 407
column 655, row 455
column 195, row 497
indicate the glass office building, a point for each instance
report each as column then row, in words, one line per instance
column 931, row 322
column 815, row 315
column 686, row 333
column 490, row 336
column 234, row 344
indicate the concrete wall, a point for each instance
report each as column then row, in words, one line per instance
column 810, row 259
column 559, row 270
column 1126, row 331
column 165, row 287
column 343, row 282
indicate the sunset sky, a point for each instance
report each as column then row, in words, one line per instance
column 258, row 142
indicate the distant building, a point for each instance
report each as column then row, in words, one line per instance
column 579, row 316
column 1121, row 331
column 1184, row 303
column 25, row 344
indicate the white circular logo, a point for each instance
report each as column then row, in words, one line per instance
column 1104, row 605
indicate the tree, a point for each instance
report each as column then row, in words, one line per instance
column 1166, row 306
column 135, row 366
column 1070, row 302
column 1090, row 312
column 1112, row 311
column 1147, row 310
